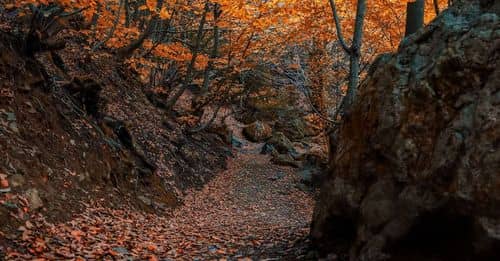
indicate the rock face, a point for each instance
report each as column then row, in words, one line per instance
column 415, row 168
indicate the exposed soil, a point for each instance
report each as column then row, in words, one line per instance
column 58, row 154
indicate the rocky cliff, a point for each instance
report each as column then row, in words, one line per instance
column 415, row 168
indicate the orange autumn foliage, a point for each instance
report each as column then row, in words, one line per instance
column 251, row 31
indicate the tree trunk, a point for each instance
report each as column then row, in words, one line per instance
column 354, row 51
column 338, row 27
column 127, row 13
column 189, row 73
column 157, row 30
column 215, row 50
column 414, row 16
column 95, row 19
column 355, row 56
column 436, row 7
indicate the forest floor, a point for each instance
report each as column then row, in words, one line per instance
column 253, row 210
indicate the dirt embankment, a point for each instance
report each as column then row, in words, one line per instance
column 77, row 126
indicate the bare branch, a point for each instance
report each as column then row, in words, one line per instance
column 339, row 27
column 436, row 7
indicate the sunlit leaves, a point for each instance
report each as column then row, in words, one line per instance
column 151, row 5
column 164, row 14
column 250, row 29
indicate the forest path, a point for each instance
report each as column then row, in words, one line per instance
column 251, row 211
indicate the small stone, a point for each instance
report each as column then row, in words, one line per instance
column 121, row 250
column 277, row 176
column 34, row 199
column 267, row 149
column 258, row 131
column 13, row 127
column 145, row 200
column 236, row 142
column 11, row 116
column 212, row 249
column 31, row 108
column 25, row 88
column 303, row 187
column 159, row 205
column 285, row 160
column 306, row 176
column 17, row 180
column 83, row 176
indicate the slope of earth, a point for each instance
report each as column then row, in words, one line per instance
column 76, row 126
column 251, row 211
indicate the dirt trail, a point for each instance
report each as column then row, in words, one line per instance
column 252, row 210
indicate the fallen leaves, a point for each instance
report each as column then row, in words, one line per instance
column 239, row 214
column 152, row 248
column 38, row 246
column 164, row 14
column 4, row 183
column 77, row 234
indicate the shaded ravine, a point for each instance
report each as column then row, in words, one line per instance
column 253, row 210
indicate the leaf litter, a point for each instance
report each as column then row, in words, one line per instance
column 244, row 213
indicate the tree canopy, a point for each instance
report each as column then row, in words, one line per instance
column 229, row 36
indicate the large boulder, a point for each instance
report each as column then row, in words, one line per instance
column 297, row 127
column 293, row 128
column 415, row 166
column 281, row 143
column 285, row 160
column 258, row 131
